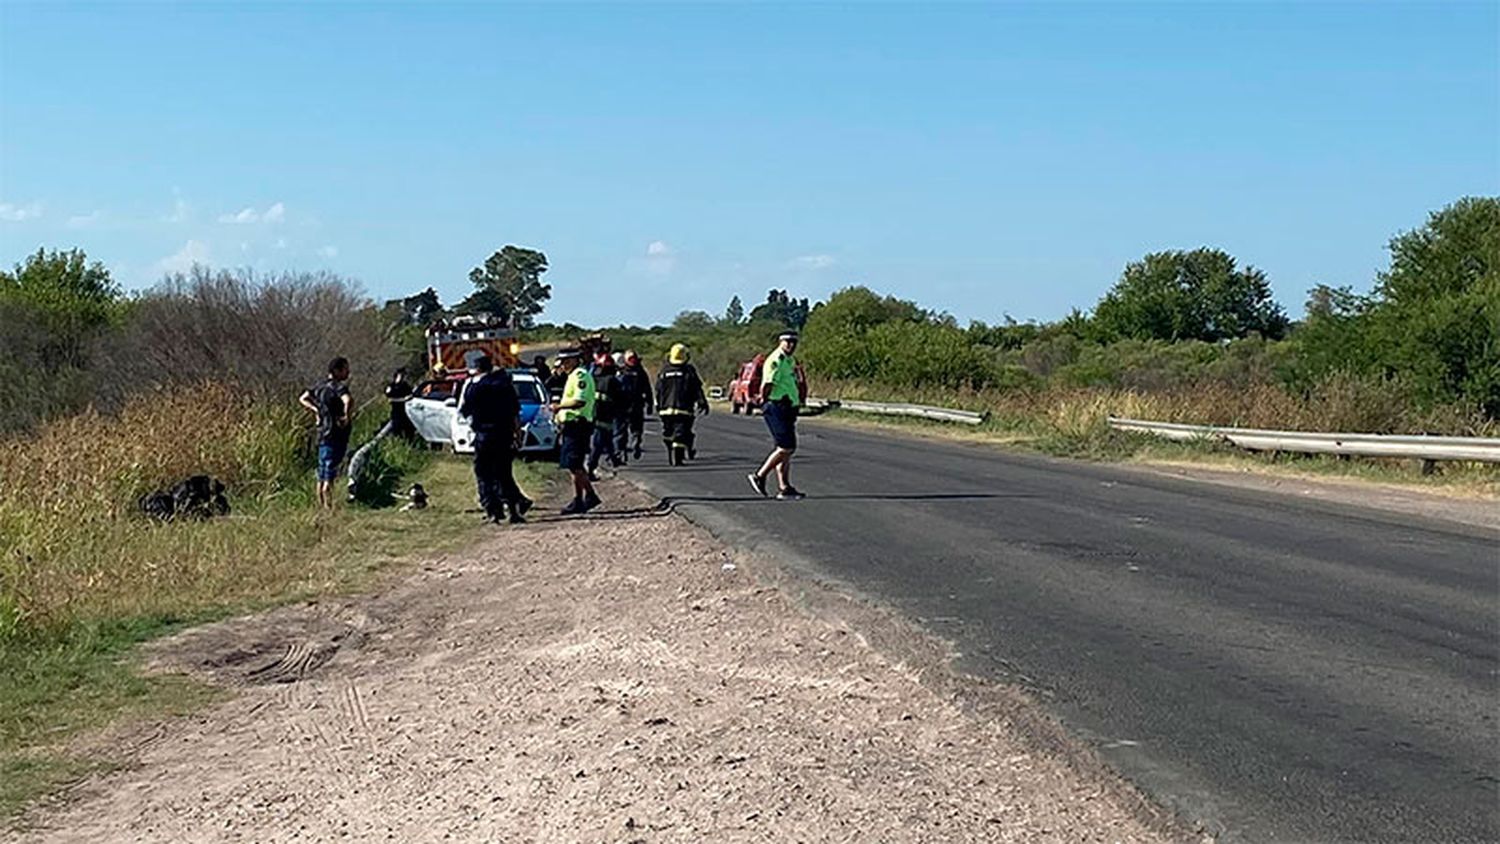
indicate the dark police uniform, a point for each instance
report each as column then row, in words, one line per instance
column 491, row 404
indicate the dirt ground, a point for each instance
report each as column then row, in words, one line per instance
column 620, row 678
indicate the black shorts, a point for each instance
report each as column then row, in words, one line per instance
column 781, row 418
column 573, row 444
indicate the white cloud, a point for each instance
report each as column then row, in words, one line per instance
column 12, row 213
column 245, row 216
column 192, row 252
column 275, row 214
column 329, row 251
column 181, row 211
column 660, row 260
column 83, row 221
column 814, row 262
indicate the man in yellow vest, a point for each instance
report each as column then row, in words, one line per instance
column 781, row 392
column 574, row 414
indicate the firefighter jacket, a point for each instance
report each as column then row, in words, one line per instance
column 679, row 390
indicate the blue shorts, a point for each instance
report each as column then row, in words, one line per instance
column 573, row 444
column 330, row 457
column 781, row 418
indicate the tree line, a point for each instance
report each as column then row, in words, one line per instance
column 1426, row 336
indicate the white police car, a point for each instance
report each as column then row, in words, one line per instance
column 433, row 410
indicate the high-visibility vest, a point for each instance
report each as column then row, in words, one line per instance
column 580, row 388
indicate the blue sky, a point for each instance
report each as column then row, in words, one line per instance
column 984, row 159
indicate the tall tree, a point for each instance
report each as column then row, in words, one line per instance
column 1432, row 322
column 70, row 299
column 1436, row 314
column 509, row 286
column 1197, row 295
column 693, row 321
column 782, row 309
column 735, row 313
column 419, row 309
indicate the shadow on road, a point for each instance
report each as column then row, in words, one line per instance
column 668, row 505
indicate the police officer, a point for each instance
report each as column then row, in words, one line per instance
column 398, row 393
column 782, row 393
column 679, row 394
column 494, row 413
column 574, row 413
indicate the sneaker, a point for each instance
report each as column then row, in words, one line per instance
column 524, row 506
column 692, row 452
column 757, row 483
column 789, row 494
column 574, row 507
column 516, row 518
column 591, row 502
column 637, row 452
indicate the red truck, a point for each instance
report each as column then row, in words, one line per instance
column 744, row 390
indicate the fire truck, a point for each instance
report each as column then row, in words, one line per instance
column 454, row 344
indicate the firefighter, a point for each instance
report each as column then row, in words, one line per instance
column 494, row 413
column 679, row 394
column 636, row 385
column 574, row 413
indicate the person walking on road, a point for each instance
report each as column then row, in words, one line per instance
column 574, row 413
column 398, row 393
column 331, row 404
column 783, row 391
column 679, row 395
column 636, row 385
column 621, row 431
column 607, row 402
column 494, row 414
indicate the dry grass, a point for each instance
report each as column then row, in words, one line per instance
column 1341, row 404
column 73, row 545
column 1073, row 422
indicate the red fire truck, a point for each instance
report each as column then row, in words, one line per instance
column 454, row 344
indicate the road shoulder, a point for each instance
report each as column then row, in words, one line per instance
column 623, row 677
column 1460, row 505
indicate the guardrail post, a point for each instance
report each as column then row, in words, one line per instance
column 1429, row 467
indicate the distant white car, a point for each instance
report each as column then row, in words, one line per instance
column 433, row 411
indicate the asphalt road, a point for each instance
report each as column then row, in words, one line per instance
column 1279, row 669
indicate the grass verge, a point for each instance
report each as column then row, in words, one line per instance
column 59, row 681
column 1466, row 480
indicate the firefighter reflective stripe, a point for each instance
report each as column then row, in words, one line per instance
column 579, row 389
column 781, row 373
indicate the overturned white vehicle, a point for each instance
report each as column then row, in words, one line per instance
column 433, row 410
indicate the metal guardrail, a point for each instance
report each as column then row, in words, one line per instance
column 1419, row 447
column 920, row 411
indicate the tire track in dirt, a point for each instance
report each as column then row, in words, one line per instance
column 634, row 689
